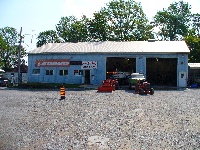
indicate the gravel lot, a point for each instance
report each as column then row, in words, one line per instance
column 88, row 120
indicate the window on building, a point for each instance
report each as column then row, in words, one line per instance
column 63, row 72
column 78, row 72
column 36, row 71
column 49, row 72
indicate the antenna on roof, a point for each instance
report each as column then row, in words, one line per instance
column 32, row 34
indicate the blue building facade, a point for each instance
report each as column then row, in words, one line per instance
column 89, row 67
column 81, row 69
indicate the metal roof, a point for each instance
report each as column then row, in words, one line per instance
column 194, row 65
column 114, row 47
column 1, row 70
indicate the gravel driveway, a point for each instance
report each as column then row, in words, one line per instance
column 87, row 119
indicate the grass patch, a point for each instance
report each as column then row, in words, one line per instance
column 35, row 85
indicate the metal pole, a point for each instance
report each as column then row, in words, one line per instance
column 19, row 56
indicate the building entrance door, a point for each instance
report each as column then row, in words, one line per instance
column 182, row 79
column 87, row 76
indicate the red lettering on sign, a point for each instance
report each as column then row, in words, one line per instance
column 53, row 63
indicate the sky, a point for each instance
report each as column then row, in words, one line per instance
column 35, row 16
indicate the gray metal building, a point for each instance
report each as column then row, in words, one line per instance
column 86, row 62
column 194, row 73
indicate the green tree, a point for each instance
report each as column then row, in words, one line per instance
column 3, row 47
column 9, row 37
column 193, row 42
column 196, row 23
column 120, row 20
column 70, row 29
column 99, row 27
column 193, row 39
column 127, row 21
column 49, row 36
column 173, row 22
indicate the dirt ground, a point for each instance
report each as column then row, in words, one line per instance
column 86, row 119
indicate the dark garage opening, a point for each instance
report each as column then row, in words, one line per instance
column 120, row 64
column 193, row 76
column 161, row 71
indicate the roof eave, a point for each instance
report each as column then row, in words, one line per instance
column 43, row 53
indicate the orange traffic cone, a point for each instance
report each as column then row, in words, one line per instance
column 62, row 92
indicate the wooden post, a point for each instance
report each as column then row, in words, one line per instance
column 19, row 58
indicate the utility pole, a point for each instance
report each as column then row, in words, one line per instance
column 19, row 57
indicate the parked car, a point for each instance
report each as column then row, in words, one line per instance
column 122, row 77
column 3, row 82
column 134, row 78
column 119, row 75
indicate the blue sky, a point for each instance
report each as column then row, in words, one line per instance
column 35, row 16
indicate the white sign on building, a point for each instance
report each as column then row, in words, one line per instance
column 89, row 65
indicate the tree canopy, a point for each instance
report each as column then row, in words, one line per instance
column 124, row 20
column 3, row 47
column 173, row 22
column 70, row 29
column 196, row 23
column 9, row 37
column 119, row 20
column 193, row 42
column 49, row 36
column 193, row 39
